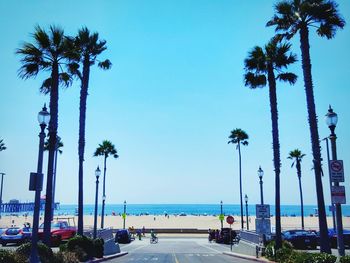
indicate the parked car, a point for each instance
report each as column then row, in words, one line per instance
column 123, row 236
column 60, row 230
column 15, row 235
column 300, row 239
column 332, row 234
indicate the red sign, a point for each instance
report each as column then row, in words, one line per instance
column 230, row 220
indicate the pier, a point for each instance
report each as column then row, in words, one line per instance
column 17, row 207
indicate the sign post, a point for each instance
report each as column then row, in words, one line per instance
column 230, row 220
column 338, row 194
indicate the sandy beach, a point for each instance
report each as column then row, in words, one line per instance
column 180, row 222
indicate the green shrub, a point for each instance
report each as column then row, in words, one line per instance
column 345, row 259
column 98, row 247
column 270, row 249
column 44, row 252
column 323, row 258
column 65, row 257
column 7, row 256
column 82, row 246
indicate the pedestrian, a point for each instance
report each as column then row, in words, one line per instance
column 144, row 231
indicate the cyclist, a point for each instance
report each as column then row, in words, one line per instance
column 153, row 234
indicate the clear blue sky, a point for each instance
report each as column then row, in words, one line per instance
column 173, row 95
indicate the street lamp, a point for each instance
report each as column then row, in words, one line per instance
column 2, row 183
column 261, row 173
column 36, row 183
column 246, row 210
column 331, row 121
column 97, row 174
column 221, row 215
column 124, row 215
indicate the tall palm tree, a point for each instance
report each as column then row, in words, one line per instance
column 59, row 146
column 105, row 149
column 297, row 157
column 264, row 66
column 87, row 47
column 2, row 145
column 238, row 136
column 291, row 17
column 47, row 53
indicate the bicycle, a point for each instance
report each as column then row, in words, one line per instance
column 153, row 240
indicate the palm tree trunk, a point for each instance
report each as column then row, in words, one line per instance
column 240, row 182
column 54, row 183
column 104, row 193
column 306, row 65
column 52, row 146
column 81, row 143
column 276, row 152
column 301, row 194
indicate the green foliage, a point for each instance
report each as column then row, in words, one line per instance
column 287, row 255
column 98, row 247
column 7, row 256
column 84, row 248
column 65, row 257
column 345, row 259
column 45, row 252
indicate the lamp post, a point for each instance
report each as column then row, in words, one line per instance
column 97, row 174
column 221, row 215
column 36, row 183
column 2, row 183
column 246, row 210
column 330, row 182
column 261, row 174
column 124, row 215
column 332, row 120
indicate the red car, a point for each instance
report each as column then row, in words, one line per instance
column 60, row 230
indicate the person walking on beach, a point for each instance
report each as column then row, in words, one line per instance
column 144, row 231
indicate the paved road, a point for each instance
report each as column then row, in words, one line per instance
column 175, row 250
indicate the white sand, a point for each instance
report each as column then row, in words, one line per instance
column 197, row 222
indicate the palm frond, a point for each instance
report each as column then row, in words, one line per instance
column 291, row 78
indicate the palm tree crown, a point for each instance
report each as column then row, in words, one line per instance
column 296, row 156
column 238, row 136
column 106, row 149
column 275, row 56
column 59, row 146
column 292, row 15
column 2, row 145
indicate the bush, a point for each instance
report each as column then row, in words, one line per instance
column 270, row 249
column 82, row 246
column 7, row 256
column 44, row 252
column 65, row 257
column 98, row 247
column 323, row 258
column 345, row 259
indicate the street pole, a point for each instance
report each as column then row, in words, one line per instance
column 44, row 118
column 330, row 182
column 246, row 210
column 2, row 183
column 261, row 173
column 124, row 215
column 221, row 213
column 97, row 174
column 332, row 138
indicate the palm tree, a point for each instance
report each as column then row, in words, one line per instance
column 291, row 17
column 87, row 47
column 47, row 53
column 238, row 136
column 261, row 66
column 105, row 149
column 297, row 157
column 2, row 145
column 59, row 146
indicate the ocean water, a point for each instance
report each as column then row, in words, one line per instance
column 189, row 209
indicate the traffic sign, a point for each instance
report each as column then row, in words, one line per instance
column 221, row 217
column 123, row 215
column 337, row 170
column 338, row 195
column 263, row 211
column 230, row 220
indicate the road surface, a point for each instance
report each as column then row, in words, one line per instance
column 175, row 250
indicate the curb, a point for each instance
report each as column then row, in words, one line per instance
column 109, row 257
column 242, row 256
